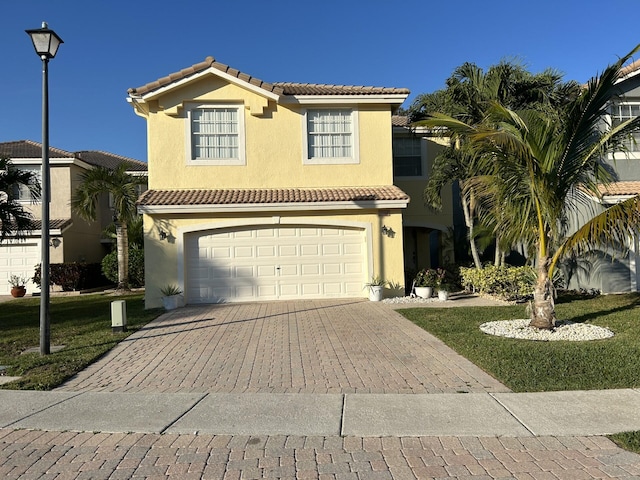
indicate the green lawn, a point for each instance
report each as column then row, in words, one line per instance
column 81, row 323
column 528, row 366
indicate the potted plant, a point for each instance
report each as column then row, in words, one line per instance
column 424, row 282
column 18, row 288
column 376, row 287
column 170, row 296
column 443, row 284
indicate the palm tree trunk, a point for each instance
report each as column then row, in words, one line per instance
column 122, row 245
column 543, row 313
column 468, row 220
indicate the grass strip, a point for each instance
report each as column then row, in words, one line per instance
column 627, row 440
column 81, row 322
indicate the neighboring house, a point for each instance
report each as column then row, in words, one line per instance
column 618, row 270
column 72, row 239
column 427, row 242
column 262, row 191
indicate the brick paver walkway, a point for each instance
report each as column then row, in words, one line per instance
column 338, row 346
column 61, row 455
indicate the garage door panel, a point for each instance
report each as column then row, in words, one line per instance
column 310, row 269
column 244, row 272
column 331, row 269
column 352, row 268
column 275, row 262
column 288, row 251
column 289, row 270
column 309, row 250
column 266, row 251
column 267, row 271
column 18, row 259
column 243, row 252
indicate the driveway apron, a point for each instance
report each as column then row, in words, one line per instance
column 314, row 346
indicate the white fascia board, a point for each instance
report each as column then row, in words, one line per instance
column 397, row 99
column 270, row 207
column 607, row 199
column 209, row 71
column 613, row 199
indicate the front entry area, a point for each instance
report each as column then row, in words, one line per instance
column 274, row 262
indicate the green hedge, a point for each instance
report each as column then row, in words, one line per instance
column 510, row 283
column 136, row 267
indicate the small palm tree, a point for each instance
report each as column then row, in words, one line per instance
column 122, row 188
column 14, row 219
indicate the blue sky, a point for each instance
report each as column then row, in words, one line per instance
column 111, row 45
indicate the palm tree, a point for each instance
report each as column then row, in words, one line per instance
column 121, row 186
column 14, row 219
column 543, row 163
column 470, row 92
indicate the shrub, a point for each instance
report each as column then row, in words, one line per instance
column 73, row 276
column 136, row 267
column 510, row 283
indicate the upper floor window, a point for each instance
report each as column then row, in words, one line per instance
column 331, row 136
column 216, row 135
column 21, row 192
column 407, row 156
column 622, row 112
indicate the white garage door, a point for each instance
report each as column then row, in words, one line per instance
column 18, row 259
column 274, row 263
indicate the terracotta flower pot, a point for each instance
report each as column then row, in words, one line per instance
column 18, row 292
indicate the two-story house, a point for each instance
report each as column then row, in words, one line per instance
column 263, row 191
column 618, row 270
column 72, row 238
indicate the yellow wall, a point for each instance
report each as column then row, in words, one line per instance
column 161, row 257
column 274, row 145
column 416, row 214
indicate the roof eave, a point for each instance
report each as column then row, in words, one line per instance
column 391, row 99
column 270, row 207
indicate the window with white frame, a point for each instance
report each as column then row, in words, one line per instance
column 621, row 112
column 407, row 156
column 216, row 134
column 21, row 192
column 331, row 135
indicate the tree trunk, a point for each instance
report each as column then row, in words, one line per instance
column 543, row 313
column 498, row 253
column 122, row 245
column 468, row 220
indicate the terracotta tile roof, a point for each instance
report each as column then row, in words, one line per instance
column 315, row 89
column 110, row 160
column 30, row 149
column 197, row 68
column 270, row 196
column 280, row 88
column 620, row 188
column 399, row 120
column 632, row 67
column 54, row 224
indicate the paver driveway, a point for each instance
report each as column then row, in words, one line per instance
column 324, row 346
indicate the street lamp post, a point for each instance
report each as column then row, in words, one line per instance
column 46, row 43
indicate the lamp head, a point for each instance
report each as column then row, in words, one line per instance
column 45, row 41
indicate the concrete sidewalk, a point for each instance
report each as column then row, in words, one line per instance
column 580, row 413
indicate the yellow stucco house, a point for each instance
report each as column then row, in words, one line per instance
column 72, row 238
column 262, row 191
